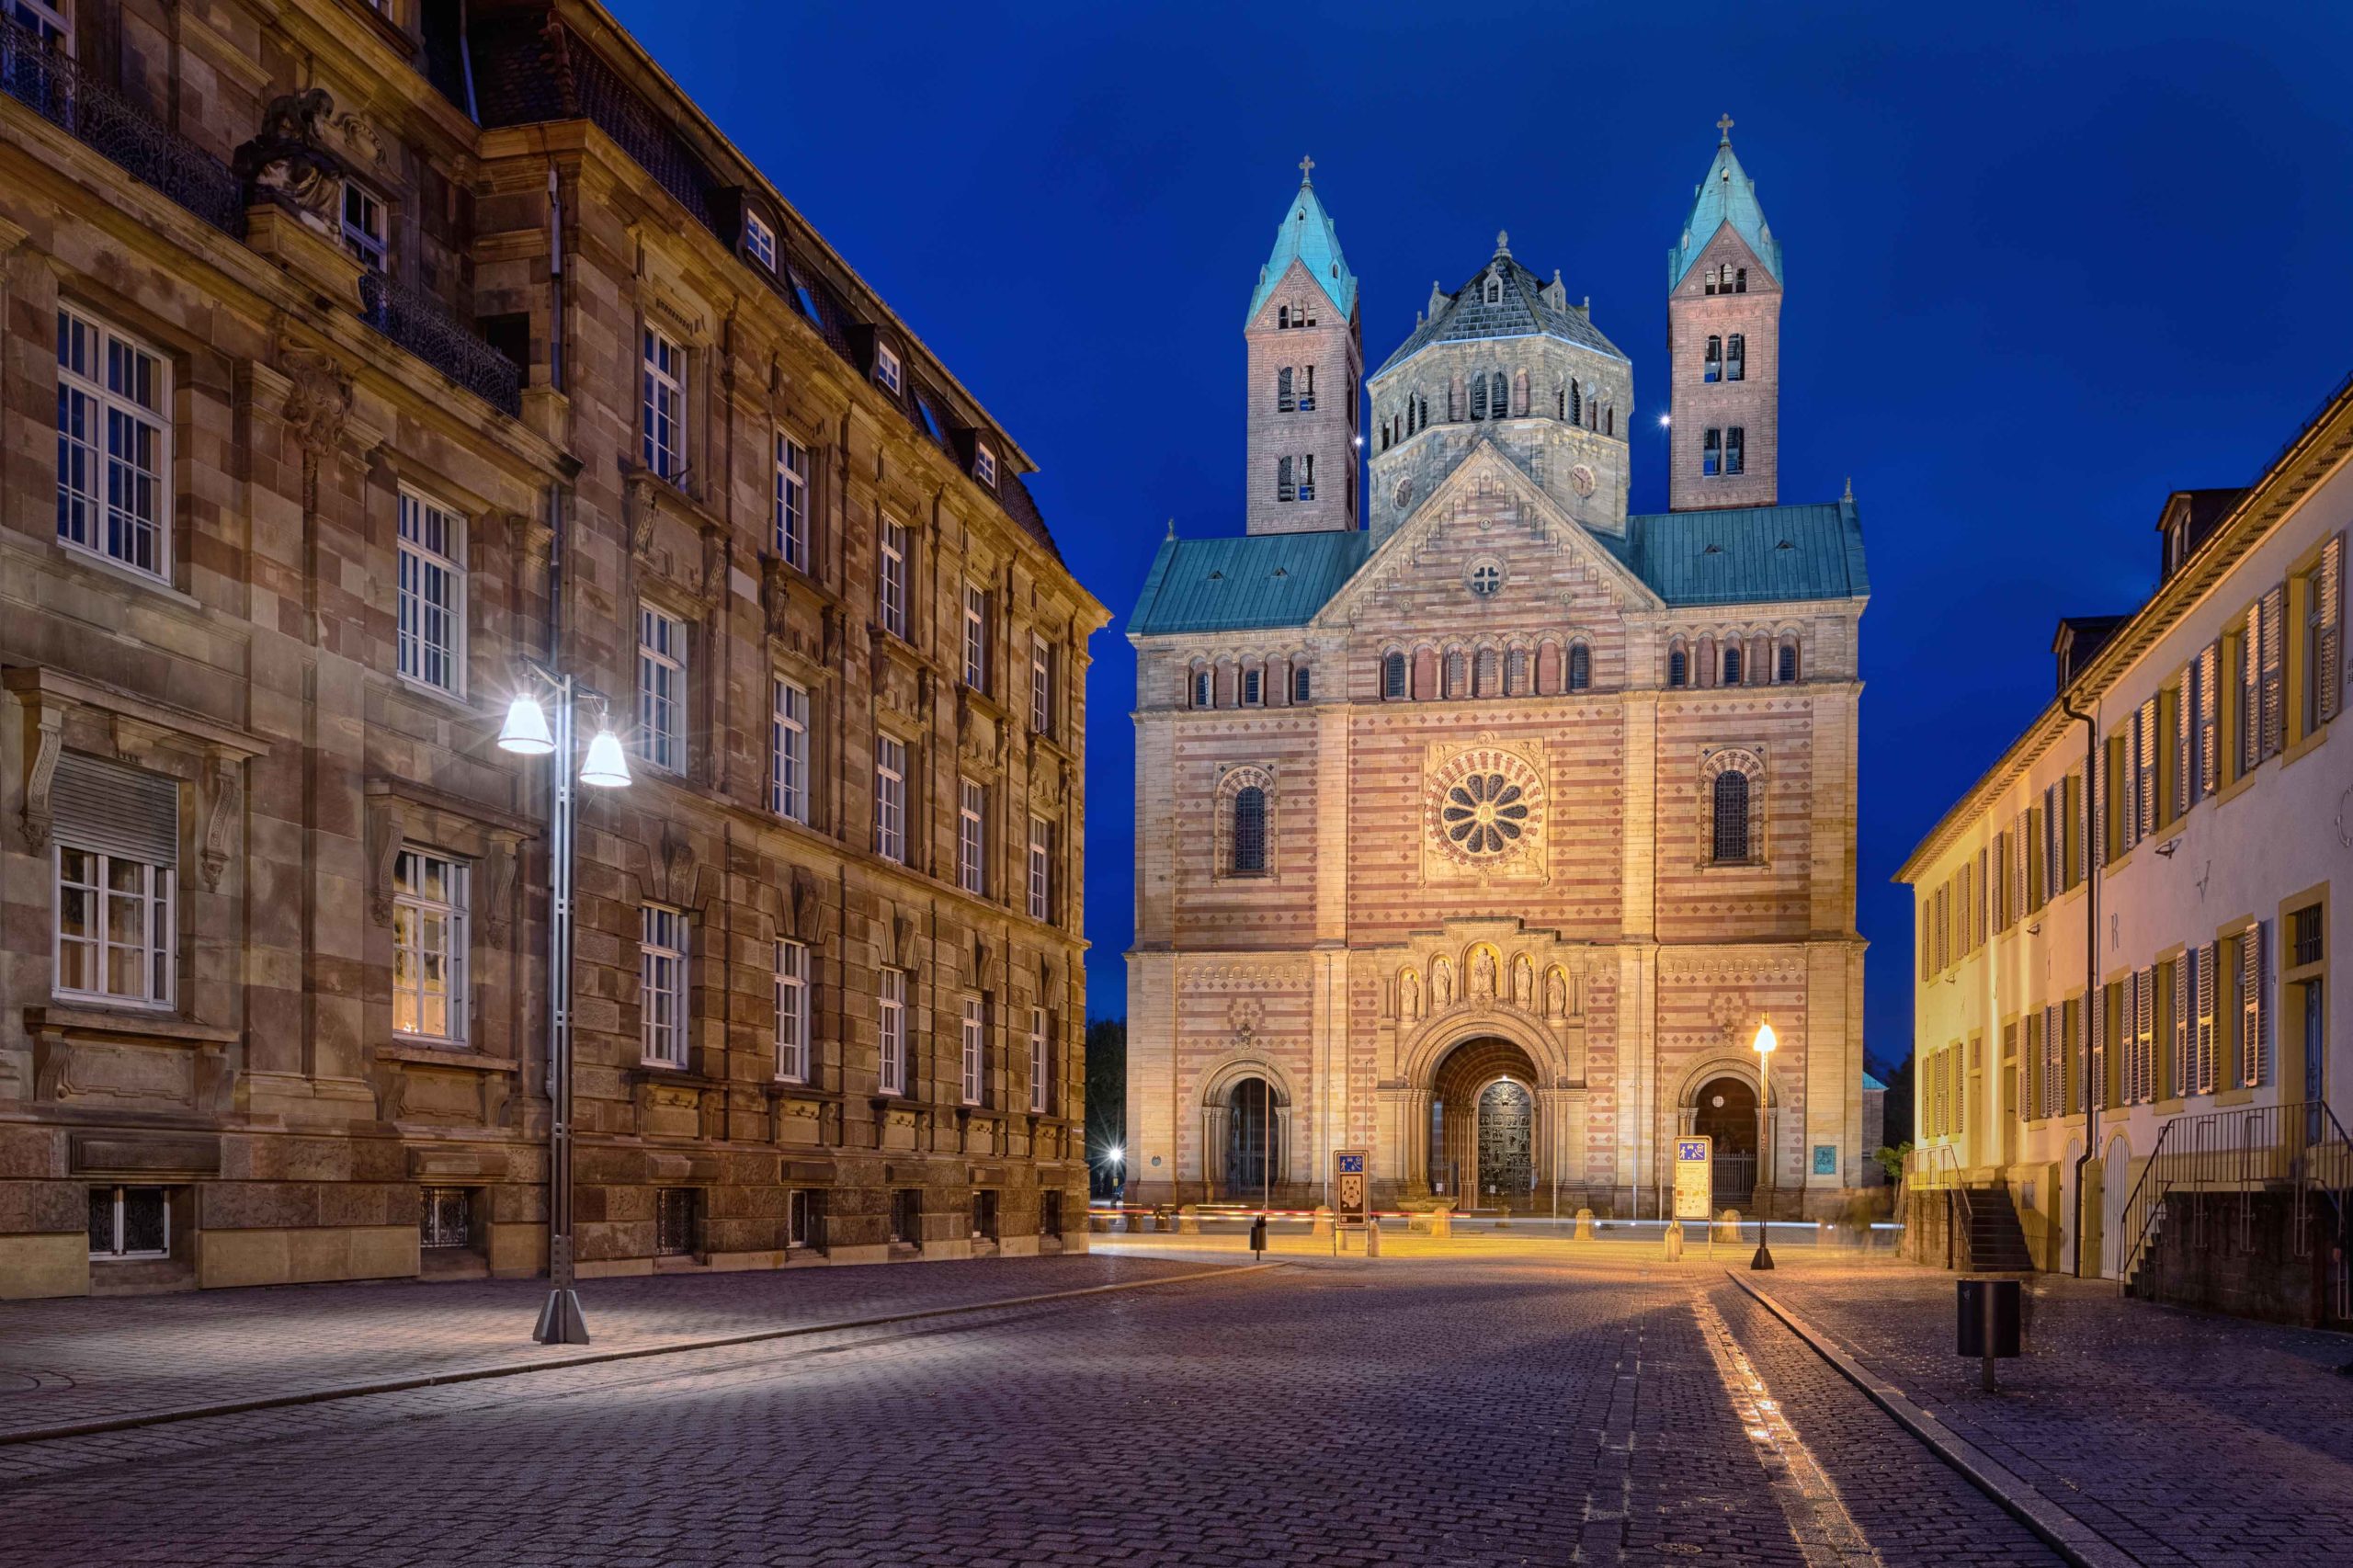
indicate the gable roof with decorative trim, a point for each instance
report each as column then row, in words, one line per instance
column 1466, row 316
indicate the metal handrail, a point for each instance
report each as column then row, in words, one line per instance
column 40, row 75
column 2150, row 1205
column 1932, row 1162
column 429, row 329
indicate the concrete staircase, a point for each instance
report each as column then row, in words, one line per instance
column 1994, row 1242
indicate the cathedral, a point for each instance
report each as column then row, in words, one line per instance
column 1480, row 822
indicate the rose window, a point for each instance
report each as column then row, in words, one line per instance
column 1485, row 814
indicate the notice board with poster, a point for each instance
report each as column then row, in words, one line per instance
column 1351, row 1186
column 1694, row 1177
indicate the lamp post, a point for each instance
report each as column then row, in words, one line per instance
column 528, row 732
column 1764, row 1045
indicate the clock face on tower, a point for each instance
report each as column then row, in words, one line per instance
column 1485, row 808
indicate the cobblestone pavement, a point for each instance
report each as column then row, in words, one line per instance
column 72, row 1359
column 2180, row 1437
column 1491, row 1412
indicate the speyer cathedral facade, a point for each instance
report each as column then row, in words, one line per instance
column 1480, row 821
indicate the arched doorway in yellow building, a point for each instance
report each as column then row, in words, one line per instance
column 1725, row 1111
column 1485, row 1129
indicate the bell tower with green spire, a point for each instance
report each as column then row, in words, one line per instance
column 1306, row 362
column 1723, row 314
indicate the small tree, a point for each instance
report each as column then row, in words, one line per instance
column 1891, row 1160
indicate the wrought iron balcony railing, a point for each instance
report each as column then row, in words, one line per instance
column 40, row 75
column 425, row 327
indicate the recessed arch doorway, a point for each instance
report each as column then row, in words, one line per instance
column 1725, row 1109
column 1485, row 1126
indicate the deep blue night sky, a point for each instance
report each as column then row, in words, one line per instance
column 2043, row 267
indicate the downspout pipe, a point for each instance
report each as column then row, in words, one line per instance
column 2092, row 1092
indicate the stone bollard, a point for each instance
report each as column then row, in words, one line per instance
column 1674, row 1240
column 1372, row 1238
column 1323, row 1219
column 1188, row 1220
column 1728, row 1225
column 1584, row 1224
column 1161, row 1217
column 1098, row 1223
column 1442, row 1222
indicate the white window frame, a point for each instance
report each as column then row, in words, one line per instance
column 431, row 616
column 1204, row 688
column 973, row 1055
column 759, row 240
column 1041, row 861
column 976, row 637
column 1038, row 1085
column 972, row 837
column 662, row 404
column 661, row 689
column 891, row 580
column 90, row 468
column 118, row 1253
column 364, row 239
column 155, row 949
column 426, row 929
column 984, row 464
column 891, row 1018
column 792, row 993
column 1041, row 686
column 791, row 531
column 889, row 373
column 665, row 950
column 44, row 15
column 890, row 798
column 789, row 750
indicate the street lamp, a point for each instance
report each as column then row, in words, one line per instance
column 527, row 732
column 1764, row 1045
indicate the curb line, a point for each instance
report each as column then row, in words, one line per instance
column 588, row 1358
column 2070, row 1536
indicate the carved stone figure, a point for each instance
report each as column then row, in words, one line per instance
column 1523, row 981
column 1483, row 974
column 1556, row 996
column 1441, row 984
column 1409, row 995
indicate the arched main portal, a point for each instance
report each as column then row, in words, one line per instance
column 1483, row 1142
column 1726, row 1111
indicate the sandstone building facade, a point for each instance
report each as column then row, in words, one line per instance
column 2126, row 1033
column 1484, row 836
column 350, row 355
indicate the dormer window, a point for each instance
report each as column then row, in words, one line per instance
column 1494, row 289
column 888, row 373
column 759, row 240
column 363, row 226
column 984, row 466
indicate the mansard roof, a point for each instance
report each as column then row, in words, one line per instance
column 1306, row 236
column 1524, row 311
column 1728, row 555
column 1726, row 196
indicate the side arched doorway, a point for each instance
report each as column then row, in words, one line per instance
column 1253, row 1166
column 1725, row 1111
column 1485, row 1142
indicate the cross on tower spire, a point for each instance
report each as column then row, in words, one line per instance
column 1307, row 171
column 1724, row 124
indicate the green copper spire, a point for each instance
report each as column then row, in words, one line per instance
column 1726, row 196
column 1307, row 236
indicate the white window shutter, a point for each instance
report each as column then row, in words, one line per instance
column 2209, row 662
column 2274, row 624
column 2251, row 1009
column 2183, row 968
column 2331, row 654
column 2095, row 1070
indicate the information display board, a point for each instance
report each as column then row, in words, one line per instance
column 1351, row 1186
column 1694, row 1176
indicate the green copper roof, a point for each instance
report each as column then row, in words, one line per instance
column 1726, row 196
column 1234, row 585
column 1724, row 555
column 1307, row 236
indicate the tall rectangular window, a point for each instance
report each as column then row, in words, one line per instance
column 890, row 1013
column 791, row 542
column 976, row 638
column 890, row 584
column 1041, row 864
column 113, row 446
column 887, row 371
column 789, row 752
column 890, row 798
column 363, row 226
column 793, row 1011
column 1711, row 453
column 116, row 835
column 432, row 595
column 972, row 837
column 1038, row 1082
column 428, row 946
column 1041, row 686
column 974, row 1055
column 984, row 465
column 759, row 240
column 1735, row 449
column 662, row 984
column 662, row 413
column 661, row 689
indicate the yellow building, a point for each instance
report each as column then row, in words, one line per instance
column 2122, row 1018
